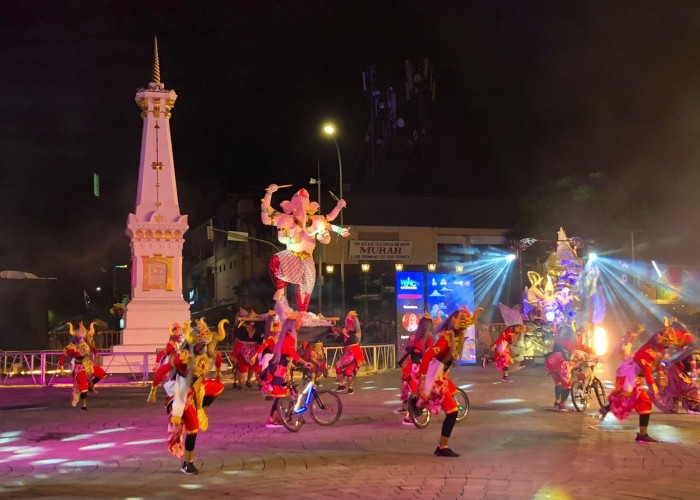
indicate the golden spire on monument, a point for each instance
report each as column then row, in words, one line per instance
column 155, row 76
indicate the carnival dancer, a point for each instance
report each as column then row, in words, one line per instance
column 248, row 339
column 559, row 363
column 266, row 351
column 629, row 393
column 435, row 387
column 418, row 344
column 682, row 370
column 624, row 348
column 189, row 389
column 501, row 349
column 314, row 353
column 681, row 383
column 298, row 228
column 280, row 367
column 352, row 358
column 173, row 345
column 86, row 372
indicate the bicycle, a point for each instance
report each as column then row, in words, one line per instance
column 421, row 416
column 584, row 382
column 325, row 405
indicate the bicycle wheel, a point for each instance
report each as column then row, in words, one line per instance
column 326, row 407
column 285, row 410
column 579, row 396
column 462, row 401
column 419, row 416
column 599, row 392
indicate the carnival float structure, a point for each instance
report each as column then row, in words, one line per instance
column 299, row 229
column 563, row 289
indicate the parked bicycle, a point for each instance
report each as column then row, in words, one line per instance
column 584, row 382
column 421, row 416
column 325, row 406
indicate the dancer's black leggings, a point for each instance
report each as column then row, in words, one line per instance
column 449, row 423
column 275, row 404
column 189, row 441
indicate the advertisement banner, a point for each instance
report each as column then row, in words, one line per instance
column 445, row 292
column 410, row 306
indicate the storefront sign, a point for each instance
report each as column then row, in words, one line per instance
column 380, row 250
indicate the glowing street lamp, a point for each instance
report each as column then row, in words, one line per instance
column 432, row 266
column 399, row 267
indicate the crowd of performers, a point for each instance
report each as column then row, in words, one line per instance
column 182, row 369
column 266, row 350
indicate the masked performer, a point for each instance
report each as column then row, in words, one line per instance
column 559, row 363
column 189, row 390
column 436, row 388
column 501, row 348
column 418, row 344
column 314, row 353
column 629, row 393
column 281, row 365
column 298, row 228
column 248, row 339
column 266, row 351
column 173, row 345
column 352, row 358
column 86, row 373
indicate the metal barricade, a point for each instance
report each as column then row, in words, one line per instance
column 41, row 367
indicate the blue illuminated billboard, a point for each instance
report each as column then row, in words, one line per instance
column 445, row 292
column 410, row 305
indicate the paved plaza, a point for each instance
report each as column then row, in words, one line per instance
column 512, row 445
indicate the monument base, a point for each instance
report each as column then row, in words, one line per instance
column 153, row 317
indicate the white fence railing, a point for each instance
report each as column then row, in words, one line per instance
column 41, row 367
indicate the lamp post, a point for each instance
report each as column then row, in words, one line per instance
column 365, row 279
column 330, row 130
column 317, row 181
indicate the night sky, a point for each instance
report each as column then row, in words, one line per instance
column 527, row 93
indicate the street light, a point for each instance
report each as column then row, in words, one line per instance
column 317, row 182
column 330, row 130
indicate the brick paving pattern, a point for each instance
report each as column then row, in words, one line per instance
column 512, row 445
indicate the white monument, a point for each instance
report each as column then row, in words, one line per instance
column 156, row 229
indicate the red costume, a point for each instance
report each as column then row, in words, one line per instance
column 415, row 349
column 443, row 389
column 189, row 390
column 352, row 357
column 86, row 373
column 559, row 363
column 502, row 349
column 629, row 393
column 436, row 388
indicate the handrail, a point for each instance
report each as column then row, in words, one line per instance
column 41, row 367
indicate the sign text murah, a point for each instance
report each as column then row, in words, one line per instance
column 380, row 250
